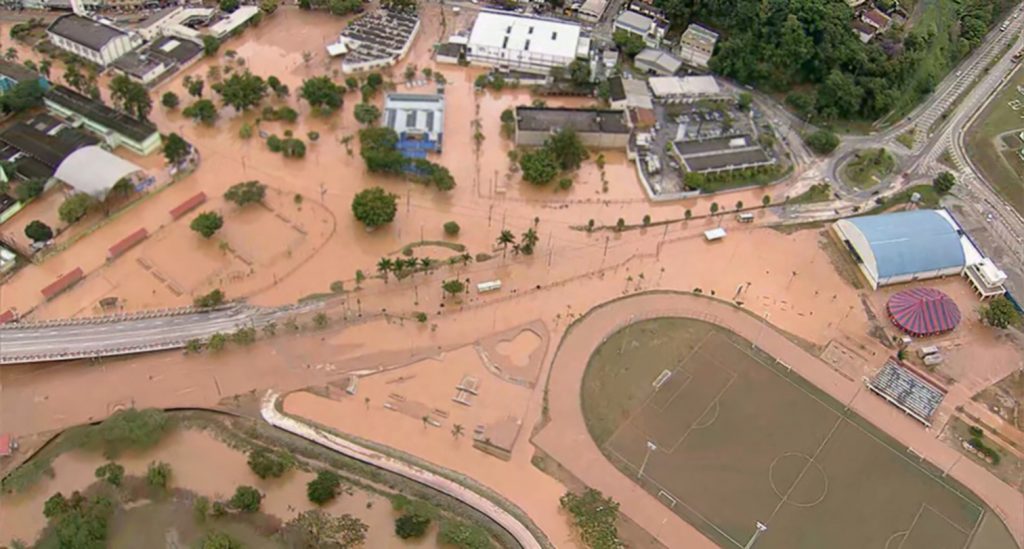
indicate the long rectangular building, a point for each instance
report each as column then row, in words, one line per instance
column 96, row 41
column 115, row 128
column 597, row 128
column 514, row 42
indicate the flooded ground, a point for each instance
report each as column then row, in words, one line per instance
column 202, row 464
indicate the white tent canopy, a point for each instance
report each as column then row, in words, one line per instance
column 94, row 171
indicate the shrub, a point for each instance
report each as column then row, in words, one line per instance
column 75, row 207
column 323, row 488
column 451, row 228
column 246, row 192
column 1000, row 313
column 158, row 474
column 41, row 232
column 411, row 525
column 464, row 535
column 212, row 299
column 112, row 473
column 246, row 499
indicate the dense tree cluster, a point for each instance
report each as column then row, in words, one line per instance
column 79, row 521
column 130, row 96
column 374, row 207
column 267, row 464
column 563, row 151
column 594, row 516
column 780, row 44
column 322, row 94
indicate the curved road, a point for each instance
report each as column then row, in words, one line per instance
column 567, row 439
column 522, row 534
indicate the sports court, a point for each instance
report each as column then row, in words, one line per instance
column 727, row 438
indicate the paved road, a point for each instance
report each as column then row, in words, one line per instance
column 109, row 336
column 522, row 534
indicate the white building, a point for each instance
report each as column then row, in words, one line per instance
column 514, row 42
column 90, row 39
column 593, row 10
column 642, row 26
column 697, row 45
column 685, row 87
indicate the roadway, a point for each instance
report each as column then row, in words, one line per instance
column 122, row 335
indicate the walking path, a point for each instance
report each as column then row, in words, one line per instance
column 520, row 532
column 568, row 441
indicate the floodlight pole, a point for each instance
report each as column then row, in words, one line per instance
column 757, row 532
column 650, row 447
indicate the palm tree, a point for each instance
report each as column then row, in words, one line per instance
column 516, row 248
column 457, row 431
column 529, row 240
column 466, row 257
column 384, row 266
column 504, row 239
column 426, row 421
column 11, row 55
column 44, row 67
column 427, row 264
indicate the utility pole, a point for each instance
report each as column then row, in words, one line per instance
column 490, row 209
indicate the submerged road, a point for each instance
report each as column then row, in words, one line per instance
column 126, row 334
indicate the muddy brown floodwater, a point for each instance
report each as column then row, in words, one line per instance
column 204, row 465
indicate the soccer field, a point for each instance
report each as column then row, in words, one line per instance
column 726, row 437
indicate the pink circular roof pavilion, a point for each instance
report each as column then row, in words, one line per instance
column 923, row 312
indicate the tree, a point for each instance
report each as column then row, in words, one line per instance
column 207, row 223
column 75, row 207
column 766, row 200
column 78, row 521
column 646, row 220
column 123, row 188
column 274, row 83
column 464, row 535
column 38, row 231
column 505, row 238
column 374, row 207
column 213, row 298
column 158, row 474
column 567, row 148
column 411, row 525
column 228, row 6
column 451, row 228
column 322, row 93
column 266, row 464
column 246, row 499
column 744, row 101
column 194, row 86
column 27, row 190
column 379, row 149
column 217, row 342
column 170, row 100
column 112, row 473
column 314, row 529
column 130, row 96
column 529, row 241
column 453, row 287
column 1000, row 313
column 457, row 430
column 343, row 7
column 268, row 6
column 22, row 96
column 739, row 205
column 366, row 114
column 210, row 45
column 384, row 266
column 944, row 182
column 629, row 43
column 203, row 110
column 538, row 166
column 324, row 487
column 620, row 225
column 579, row 72
column 822, row 141
column 242, row 90
column 594, row 517
column 714, row 208
column 176, row 149
column 247, row 192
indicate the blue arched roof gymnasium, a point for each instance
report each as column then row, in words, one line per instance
column 911, row 242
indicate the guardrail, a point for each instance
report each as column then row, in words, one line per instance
column 122, row 317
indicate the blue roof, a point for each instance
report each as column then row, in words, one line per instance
column 911, row 242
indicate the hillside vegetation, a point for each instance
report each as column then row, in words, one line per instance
column 779, row 45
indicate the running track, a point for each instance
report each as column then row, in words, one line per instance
column 566, row 438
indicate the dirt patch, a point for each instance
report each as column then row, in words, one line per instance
column 1004, row 399
column 517, row 354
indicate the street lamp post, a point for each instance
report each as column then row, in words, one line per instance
column 650, row 448
column 757, row 533
column 764, row 320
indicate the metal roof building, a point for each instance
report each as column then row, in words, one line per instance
column 94, row 171
column 518, row 42
column 905, row 246
column 418, row 119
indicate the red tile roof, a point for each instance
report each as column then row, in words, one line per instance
column 188, row 205
column 63, row 283
column 126, row 243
